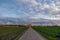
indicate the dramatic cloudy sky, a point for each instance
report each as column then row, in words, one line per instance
column 32, row 9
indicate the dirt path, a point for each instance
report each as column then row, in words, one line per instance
column 31, row 34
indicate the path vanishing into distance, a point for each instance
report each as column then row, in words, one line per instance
column 31, row 34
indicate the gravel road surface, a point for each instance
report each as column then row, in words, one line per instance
column 31, row 34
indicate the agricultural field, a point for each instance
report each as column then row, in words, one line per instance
column 51, row 33
column 11, row 33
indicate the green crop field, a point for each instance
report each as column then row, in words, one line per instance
column 51, row 33
column 11, row 33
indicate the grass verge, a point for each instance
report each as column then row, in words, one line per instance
column 48, row 32
column 11, row 33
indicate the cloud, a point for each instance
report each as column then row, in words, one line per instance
column 33, row 2
column 39, row 9
column 32, row 9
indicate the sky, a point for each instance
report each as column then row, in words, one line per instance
column 32, row 9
